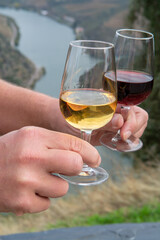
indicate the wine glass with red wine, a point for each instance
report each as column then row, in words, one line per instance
column 134, row 53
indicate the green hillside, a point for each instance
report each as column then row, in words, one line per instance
column 98, row 19
column 14, row 67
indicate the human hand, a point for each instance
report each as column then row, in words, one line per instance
column 132, row 122
column 135, row 122
column 28, row 158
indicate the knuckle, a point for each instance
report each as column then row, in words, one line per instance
column 23, row 156
column 23, row 205
column 26, row 138
column 27, row 180
column 77, row 163
column 27, row 132
column 27, row 156
column 75, row 144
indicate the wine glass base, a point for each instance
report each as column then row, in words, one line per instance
column 92, row 177
column 130, row 145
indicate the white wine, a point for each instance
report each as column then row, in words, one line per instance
column 87, row 109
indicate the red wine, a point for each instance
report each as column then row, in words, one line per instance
column 133, row 87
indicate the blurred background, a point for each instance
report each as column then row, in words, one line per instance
column 34, row 39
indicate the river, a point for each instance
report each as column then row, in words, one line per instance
column 45, row 42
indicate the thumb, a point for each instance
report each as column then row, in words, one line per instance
column 129, row 126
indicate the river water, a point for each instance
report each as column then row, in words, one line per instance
column 45, row 42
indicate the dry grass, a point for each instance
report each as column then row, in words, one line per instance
column 136, row 189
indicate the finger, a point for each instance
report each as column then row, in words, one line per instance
column 32, row 203
column 52, row 187
column 115, row 123
column 62, row 161
column 130, row 125
column 139, row 133
column 141, row 116
column 136, row 122
column 63, row 141
column 117, row 120
column 38, row 204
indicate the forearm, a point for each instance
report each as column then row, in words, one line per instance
column 22, row 107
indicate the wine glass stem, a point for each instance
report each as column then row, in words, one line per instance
column 117, row 136
column 127, row 108
column 86, row 135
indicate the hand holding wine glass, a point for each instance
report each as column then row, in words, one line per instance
column 84, row 102
column 134, row 50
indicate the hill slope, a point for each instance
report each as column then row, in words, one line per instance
column 90, row 15
column 14, row 67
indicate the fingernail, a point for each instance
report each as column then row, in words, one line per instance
column 127, row 135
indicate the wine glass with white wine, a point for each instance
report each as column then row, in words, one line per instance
column 84, row 102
